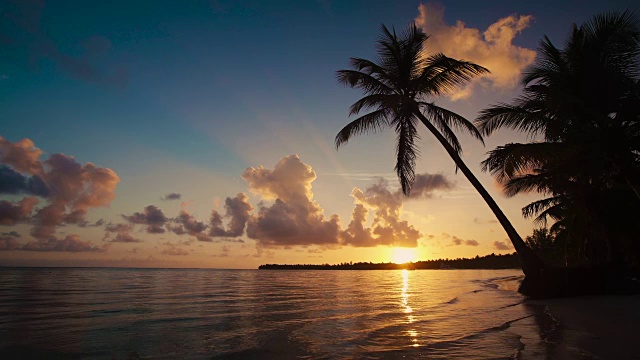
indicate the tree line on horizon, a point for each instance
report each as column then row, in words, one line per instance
column 580, row 105
column 491, row 261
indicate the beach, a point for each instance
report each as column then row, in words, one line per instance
column 593, row 327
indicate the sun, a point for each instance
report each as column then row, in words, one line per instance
column 403, row 255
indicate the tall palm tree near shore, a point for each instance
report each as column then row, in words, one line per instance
column 398, row 91
column 584, row 102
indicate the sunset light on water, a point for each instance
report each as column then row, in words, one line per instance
column 319, row 179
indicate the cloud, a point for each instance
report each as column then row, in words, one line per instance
column 12, row 213
column 69, row 189
column 493, row 48
column 14, row 183
column 8, row 243
column 75, row 188
column 8, row 240
column 172, row 196
column 70, row 243
column 122, row 233
column 455, row 241
column 171, row 249
column 386, row 228
column 11, row 234
column 238, row 210
column 152, row 216
column 480, row 221
column 426, row 184
column 294, row 218
column 502, row 245
column 23, row 156
column 187, row 224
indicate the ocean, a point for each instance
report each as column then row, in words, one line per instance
column 107, row 313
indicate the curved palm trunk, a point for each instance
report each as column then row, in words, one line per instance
column 532, row 266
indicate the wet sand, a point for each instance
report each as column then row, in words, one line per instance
column 594, row 327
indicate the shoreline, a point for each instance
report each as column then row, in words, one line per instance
column 591, row 327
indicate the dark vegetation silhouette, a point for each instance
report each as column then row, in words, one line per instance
column 581, row 104
column 492, row 261
column 398, row 91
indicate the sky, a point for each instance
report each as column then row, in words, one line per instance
column 200, row 133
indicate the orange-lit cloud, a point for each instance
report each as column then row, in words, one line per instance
column 67, row 188
column 492, row 48
column 294, row 218
column 502, row 245
column 13, row 213
column 387, row 228
column 23, row 156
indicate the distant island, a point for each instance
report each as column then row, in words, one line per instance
column 492, row 261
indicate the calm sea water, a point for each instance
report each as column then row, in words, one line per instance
column 89, row 313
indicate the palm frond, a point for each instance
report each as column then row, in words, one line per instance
column 526, row 183
column 452, row 119
column 443, row 74
column 366, row 124
column 505, row 162
column 511, row 116
column 364, row 81
column 372, row 101
column 406, row 152
column 538, row 206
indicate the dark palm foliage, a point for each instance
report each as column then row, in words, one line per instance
column 398, row 90
column 399, row 85
column 583, row 101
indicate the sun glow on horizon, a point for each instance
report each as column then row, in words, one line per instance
column 403, row 255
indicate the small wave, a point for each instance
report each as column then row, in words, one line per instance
column 452, row 301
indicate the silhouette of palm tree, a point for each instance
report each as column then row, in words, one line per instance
column 584, row 101
column 398, row 88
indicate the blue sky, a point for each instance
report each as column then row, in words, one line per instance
column 183, row 98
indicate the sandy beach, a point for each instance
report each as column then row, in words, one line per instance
column 594, row 327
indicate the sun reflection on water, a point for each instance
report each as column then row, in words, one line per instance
column 412, row 333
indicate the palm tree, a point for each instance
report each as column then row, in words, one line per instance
column 398, row 89
column 584, row 101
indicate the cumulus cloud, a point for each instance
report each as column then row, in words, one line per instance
column 152, row 216
column 14, row 183
column 425, row 185
column 122, row 233
column 238, row 210
column 12, row 213
column 75, row 188
column 172, row 196
column 386, row 228
column 294, row 218
column 493, row 48
column 187, row 224
column 69, row 188
column 70, row 243
column 502, row 245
